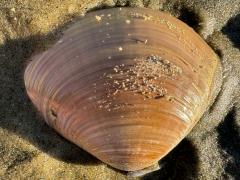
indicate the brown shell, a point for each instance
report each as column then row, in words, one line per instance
column 126, row 85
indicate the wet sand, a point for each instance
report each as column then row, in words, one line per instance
column 29, row 149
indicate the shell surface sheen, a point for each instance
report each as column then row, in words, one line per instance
column 124, row 84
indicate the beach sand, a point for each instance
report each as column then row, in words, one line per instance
column 29, row 149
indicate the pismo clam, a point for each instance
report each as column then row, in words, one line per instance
column 125, row 84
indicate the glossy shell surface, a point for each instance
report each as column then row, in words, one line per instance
column 124, row 84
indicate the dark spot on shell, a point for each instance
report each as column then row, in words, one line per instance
column 170, row 98
column 158, row 96
column 53, row 114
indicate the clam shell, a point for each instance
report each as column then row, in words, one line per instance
column 125, row 84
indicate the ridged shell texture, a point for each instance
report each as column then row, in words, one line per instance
column 125, row 84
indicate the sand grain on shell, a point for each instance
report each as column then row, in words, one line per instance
column 143, row 78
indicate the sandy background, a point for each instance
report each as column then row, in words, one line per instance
column 29, row 149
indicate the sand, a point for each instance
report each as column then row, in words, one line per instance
column 29, row 149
